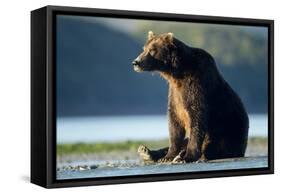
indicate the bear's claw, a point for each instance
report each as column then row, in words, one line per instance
column 178, row 160
column 165, row 160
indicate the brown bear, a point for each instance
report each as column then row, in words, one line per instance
column 207, row 119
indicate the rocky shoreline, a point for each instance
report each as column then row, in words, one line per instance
column 136, row 168
column 128, row 159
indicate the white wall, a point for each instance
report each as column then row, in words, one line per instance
column 15, row 94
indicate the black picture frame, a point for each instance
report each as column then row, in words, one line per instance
column 43, row 92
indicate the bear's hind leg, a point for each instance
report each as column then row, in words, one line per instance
column 148, row 155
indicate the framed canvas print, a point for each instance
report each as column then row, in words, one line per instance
column 126, row 96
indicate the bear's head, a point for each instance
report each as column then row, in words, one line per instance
column 160, row 53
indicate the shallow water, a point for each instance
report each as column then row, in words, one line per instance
column 141, row 169
column 150, row 127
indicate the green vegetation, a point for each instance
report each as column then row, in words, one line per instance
column 87, row 148
column 258, row 141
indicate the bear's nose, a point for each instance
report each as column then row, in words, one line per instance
column 135, row 62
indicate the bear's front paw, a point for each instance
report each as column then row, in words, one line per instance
column 192, row 155
column 166, row 159
column 179, row 159
column 202, row 159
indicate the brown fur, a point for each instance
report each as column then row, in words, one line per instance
column 182, row 114
column 203, row 110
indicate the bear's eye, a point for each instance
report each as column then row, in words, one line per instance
column 152, row 52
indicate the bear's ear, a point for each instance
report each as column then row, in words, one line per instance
column 150, row 35
column 169, row 37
